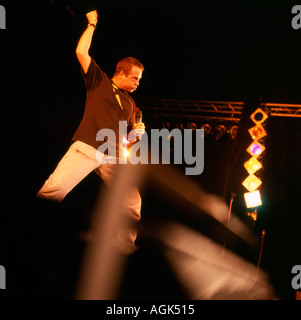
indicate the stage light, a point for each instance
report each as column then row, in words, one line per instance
column 233, row 131
column 125, row 153
column 219, row 131
column 255, row 149
column 251, row 183
column 207, row 128
column 192, row 126
column 165, row 124
column 253, row 215
column 258, row 116
column 125, row 141
column 180, row 126
column 253, row 199
column 124, row 147
column 252, row 165
column 257, row 132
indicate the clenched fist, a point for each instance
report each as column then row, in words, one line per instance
column 92, row 17
column 139, row 128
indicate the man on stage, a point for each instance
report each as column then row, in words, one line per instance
column 107, row 103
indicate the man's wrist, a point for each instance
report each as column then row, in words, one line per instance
column 92, row 25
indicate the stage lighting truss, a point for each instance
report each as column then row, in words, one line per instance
column 227, row 111
column 213, row 110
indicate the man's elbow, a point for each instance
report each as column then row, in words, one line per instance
column 84, row 59
column 80, row 54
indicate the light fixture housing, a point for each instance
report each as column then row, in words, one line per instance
column 253, row 199
column 233, row 131
column 252, row 165
column 257, row 132
column 219, row 131
column 255, row 149
column 251, row 183
column 207, row 128
column 258, row 116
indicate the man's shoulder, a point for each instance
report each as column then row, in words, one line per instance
column 95, row 76
column 96, row 66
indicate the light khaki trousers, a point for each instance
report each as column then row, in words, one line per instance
column 80, row 160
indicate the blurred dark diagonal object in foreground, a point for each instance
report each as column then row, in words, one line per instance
column 189, row 227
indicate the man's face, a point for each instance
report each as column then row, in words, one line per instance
column 131, row 81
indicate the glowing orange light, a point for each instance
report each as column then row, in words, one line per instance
column 253, row 215
column 252, row 165
column 258, row 116
column 255, row 149
column 257, row 132
column 126, row 153
column 253, row 199
column 251, row 183
column 124, row 140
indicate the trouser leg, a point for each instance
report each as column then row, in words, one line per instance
column 76, row 164
column 132, row 207
column 127, row 234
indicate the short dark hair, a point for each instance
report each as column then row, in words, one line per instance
column 126, row 65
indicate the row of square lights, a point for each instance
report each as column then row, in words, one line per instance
column 253, row 165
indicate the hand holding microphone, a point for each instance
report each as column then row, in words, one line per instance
column 139, row 126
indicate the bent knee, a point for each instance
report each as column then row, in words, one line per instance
column 52, row 190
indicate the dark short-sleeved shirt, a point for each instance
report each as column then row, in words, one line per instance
column 102, row 109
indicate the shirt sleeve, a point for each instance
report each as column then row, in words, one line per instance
column 93, row 76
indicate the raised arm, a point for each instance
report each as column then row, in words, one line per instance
column 82, row 50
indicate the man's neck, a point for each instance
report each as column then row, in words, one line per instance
column 116, row 82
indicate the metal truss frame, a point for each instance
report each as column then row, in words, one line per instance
column 212, row 110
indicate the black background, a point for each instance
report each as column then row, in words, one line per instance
column 190, row 50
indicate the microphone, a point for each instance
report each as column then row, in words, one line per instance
column 138, row 120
